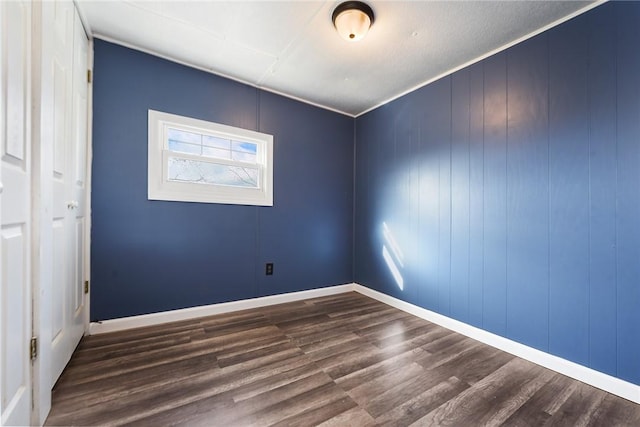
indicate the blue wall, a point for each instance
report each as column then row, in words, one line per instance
column 512, row 188
column 149, row 256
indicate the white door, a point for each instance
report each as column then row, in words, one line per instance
column 69, row 171
column 78, row 189
column 15, row 213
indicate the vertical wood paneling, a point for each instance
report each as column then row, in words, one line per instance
column 307, row 141
column 408, row 130
column 444, row 211
column 628, row 195
column 529, row 170
column 386, row 192
column 378, row 133
column 460, row 125
column 208, row 249
column 150, row 256
column 568, row 192
column 494, row 308
column 383, row 208
column 602, row 207
column 436, row 121
column 527, row 193
column 362, row 199
column 476, row 193
column 412, row 253
column 368, row 137
column 402, row 225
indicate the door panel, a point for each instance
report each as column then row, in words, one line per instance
column 78, row 169
column 15, row 369
column 15, row 215
column 60, row 72
column 69, row 65
column 57, row 303
column 62, row 78
column 15, row 60
column 78, row 259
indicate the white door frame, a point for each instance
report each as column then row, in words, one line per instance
column 87, row 234
column 42, row 193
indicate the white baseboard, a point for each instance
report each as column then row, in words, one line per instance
column 589, row 376
column 131, row 322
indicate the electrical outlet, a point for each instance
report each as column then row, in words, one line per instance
column 269, row 269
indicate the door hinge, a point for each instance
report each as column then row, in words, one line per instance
column 88, row 76
column 86, row 286
column 33, row 348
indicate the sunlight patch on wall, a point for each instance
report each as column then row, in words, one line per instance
column 397, row 255
column 395, row 248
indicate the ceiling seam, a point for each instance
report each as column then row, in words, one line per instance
column 218, row 36
column 294, row 41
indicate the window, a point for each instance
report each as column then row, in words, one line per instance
column 194, row 160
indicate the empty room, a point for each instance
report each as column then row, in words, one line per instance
column 305, row 213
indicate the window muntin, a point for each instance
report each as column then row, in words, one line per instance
column 199, row 161
column 182, row 141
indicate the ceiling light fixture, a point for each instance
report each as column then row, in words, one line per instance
column 352, row 20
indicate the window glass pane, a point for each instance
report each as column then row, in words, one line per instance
column 182, row 147
column 240, row 176
column 212, row 141
column 245, row 147
column 244, row 151
column 194, row 171
column 216, row 152
column 184, row 136
column 244, row 157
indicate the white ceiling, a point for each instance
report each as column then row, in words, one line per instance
column 291, row 47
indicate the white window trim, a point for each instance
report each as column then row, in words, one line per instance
column 159, row 188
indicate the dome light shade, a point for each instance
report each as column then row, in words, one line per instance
column 352, row 20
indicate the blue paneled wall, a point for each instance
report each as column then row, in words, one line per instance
column 506, row 195
column 511, row 190
column 149, row 256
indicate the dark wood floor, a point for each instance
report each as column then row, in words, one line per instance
column 343, row 360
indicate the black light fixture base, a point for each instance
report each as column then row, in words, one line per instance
column 349, row 5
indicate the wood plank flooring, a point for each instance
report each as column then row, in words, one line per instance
column 343, row 360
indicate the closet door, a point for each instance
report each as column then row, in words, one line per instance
column 15, row 213
column 69, row 172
